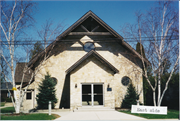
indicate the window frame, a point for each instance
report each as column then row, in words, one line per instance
column 87, row 47
column 27, row 97
column 125, row 78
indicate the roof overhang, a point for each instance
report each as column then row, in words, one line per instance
column 97, row 56
column 68, row 31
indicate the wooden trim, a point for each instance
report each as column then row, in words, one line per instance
column 84, row 28
column 95, row 28
column 90, row 33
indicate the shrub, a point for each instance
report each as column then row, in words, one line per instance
column 46, row 93
column 130, row 97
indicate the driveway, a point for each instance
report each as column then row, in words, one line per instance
column 96, row 115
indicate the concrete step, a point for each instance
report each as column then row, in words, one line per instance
column 94, row 108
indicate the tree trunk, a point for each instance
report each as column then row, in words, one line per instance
column 154, row 97
column 159, row 89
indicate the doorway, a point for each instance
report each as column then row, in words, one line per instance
column 92, row 94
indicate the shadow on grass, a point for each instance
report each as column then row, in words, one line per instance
column 7, row 110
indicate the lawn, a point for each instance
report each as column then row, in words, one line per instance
column 171, row 114
column 7, row 110
column 2, row 104
column 37, row 116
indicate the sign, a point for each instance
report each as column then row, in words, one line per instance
column 149, row 109
column 109, row 89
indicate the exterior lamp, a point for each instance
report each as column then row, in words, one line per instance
column 108, row 86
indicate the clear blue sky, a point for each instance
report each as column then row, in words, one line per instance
column 114, row 13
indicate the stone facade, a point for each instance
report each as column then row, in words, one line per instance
column 90, row 71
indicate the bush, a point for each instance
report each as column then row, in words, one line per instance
column 46, row 93
column 130, row 97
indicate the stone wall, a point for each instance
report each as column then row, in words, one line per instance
column 64, row 55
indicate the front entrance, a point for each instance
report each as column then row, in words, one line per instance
column 92, row 94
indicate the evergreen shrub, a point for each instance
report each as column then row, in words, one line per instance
column 46, row 93
column 130, row 97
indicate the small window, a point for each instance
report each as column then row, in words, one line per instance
column 125, row 81
column 88, row 46
column 28, row 95
column 54, row 80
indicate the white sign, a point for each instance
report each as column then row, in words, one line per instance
column 149, row 109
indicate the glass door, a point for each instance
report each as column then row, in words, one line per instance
column 92, row 94
column 86, row 95
column 98, row 94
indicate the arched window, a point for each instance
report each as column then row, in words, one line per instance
column 125, row 81
column 88, row 46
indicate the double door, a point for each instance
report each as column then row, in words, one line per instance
column 92, row 94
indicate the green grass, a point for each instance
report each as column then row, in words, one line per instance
column 37, row 116
column 2, row 104
column 7, row 110
column 171, row 114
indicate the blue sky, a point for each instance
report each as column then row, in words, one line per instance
column 114, row 13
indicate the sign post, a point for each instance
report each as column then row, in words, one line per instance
column 49, row 107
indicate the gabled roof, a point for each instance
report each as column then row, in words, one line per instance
column 82, row 19
column 118, row 37
column 96, row 55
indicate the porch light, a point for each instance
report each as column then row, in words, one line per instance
column 75, row 85
column 108, row 86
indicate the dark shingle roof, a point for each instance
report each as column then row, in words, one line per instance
column 19, row 73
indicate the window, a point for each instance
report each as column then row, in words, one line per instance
column 54, row 80
column 88, row 46
column 28, row 95
column 125, row 80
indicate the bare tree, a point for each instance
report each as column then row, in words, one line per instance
column 157, row 30
column 16, row 16
column 47, row 34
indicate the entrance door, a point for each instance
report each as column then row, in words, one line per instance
column 98, row 94
column 92, row 94
column 86, row 95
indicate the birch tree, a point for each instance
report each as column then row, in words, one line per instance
column 157, row 30
column 48, row 35
column 16, row 16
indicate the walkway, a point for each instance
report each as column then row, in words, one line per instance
column 96, row 115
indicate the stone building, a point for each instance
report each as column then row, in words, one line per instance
column 91, row 64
